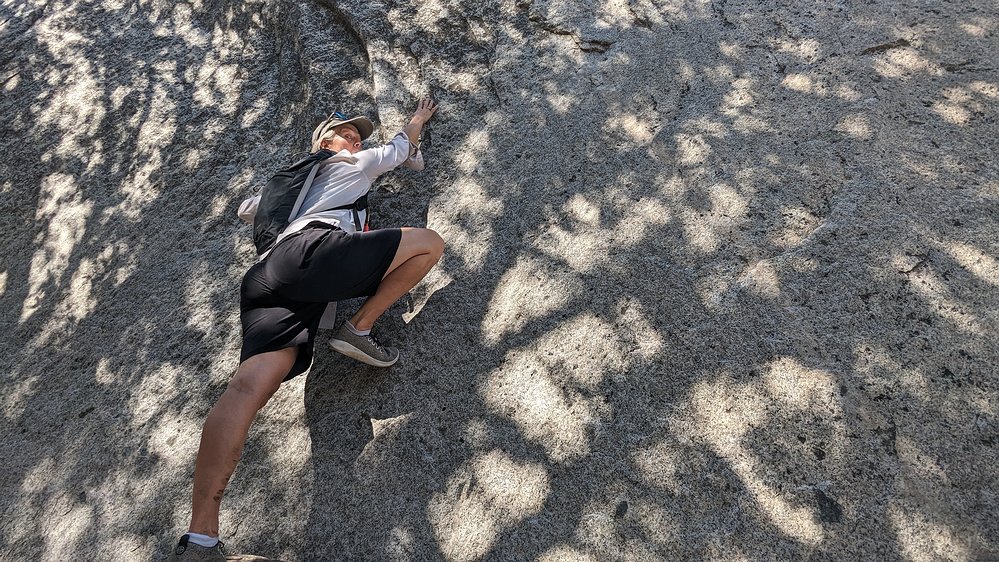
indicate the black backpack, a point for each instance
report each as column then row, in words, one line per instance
column 283, row 195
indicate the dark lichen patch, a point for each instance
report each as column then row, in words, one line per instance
column 829, row 509
column 621, row 510
column 885, row 47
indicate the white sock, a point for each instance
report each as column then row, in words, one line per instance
column 202, row 540
column 354, row 330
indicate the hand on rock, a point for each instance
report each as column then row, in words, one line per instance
column 426, row 110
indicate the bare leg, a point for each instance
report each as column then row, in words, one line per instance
column 225, row 432
column 419, row 250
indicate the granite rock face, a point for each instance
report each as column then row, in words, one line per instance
column 721, row 279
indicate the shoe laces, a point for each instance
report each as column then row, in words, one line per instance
column 378, row 345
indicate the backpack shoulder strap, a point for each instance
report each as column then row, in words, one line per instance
column 305, row 190
column 324, row 157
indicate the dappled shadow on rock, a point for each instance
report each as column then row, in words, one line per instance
column 720, row 282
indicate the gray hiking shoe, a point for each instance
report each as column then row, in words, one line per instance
column 189, row 552
column 365, row 349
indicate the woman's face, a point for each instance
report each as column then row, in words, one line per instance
column 347, row 138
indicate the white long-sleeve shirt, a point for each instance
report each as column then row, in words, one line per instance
column 343, row 182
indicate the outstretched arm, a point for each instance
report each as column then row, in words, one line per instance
column 376, row 161
column 423, row 113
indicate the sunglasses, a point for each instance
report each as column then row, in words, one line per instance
column 327, row 125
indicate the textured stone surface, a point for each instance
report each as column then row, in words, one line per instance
column 721, row 279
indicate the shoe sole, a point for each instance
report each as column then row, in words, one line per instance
column 349, row 350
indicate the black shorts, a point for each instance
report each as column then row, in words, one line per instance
column 282, row 298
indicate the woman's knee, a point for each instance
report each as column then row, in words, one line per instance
column 260, row 376
column 253, row 390
column 417, row 241
column 435, row 243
